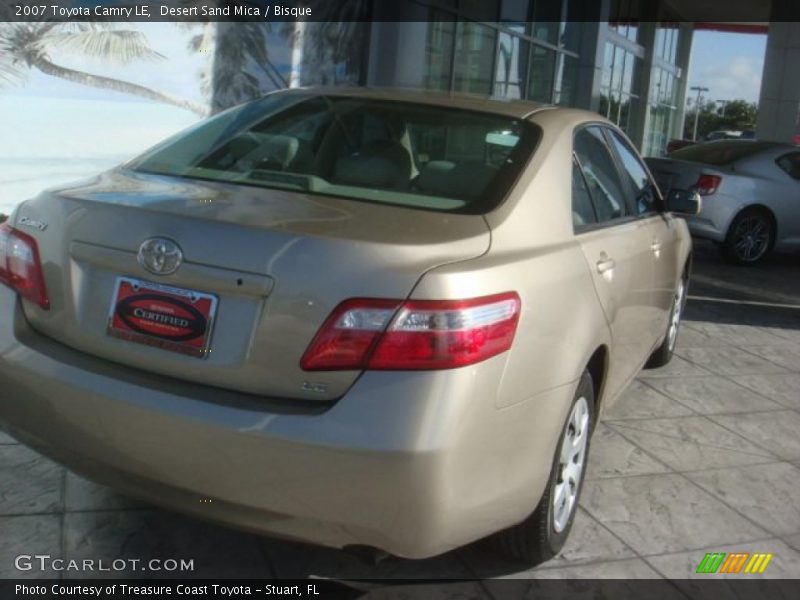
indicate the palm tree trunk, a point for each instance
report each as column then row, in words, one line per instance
column 117, row 85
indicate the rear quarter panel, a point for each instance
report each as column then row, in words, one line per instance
column 535, row 253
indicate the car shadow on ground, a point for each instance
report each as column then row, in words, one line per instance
column 763, row 295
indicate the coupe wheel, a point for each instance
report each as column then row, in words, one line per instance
column 749, row 238
column 543, row 534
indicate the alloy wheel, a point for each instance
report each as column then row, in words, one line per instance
column 677, row 311
column 750, row 238
column 571, row 463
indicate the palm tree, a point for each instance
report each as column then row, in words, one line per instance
column 239, row 52
column 335, row 38
column 30, row 45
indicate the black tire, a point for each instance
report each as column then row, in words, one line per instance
column 750, row 237
column 663, row 354
column 538, row 538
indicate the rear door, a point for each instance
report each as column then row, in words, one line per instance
column 616, row 245
column 662, row 229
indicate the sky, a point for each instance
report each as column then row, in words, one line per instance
column 729, row 64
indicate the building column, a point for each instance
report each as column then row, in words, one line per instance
column 591, row 52
column 779, row 99
column 638, row 124
column 683, row 55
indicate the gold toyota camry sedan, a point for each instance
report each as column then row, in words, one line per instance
column 359, row 318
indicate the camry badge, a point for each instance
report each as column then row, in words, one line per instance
column 160, row 256
column 35, row 223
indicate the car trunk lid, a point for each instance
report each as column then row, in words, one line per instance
column 275, row 262
column 678, row 174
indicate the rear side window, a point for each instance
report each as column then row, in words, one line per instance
column 582, row 208
column 401, row 153
column 791, row 164
column 645, row 199
column 601, row 173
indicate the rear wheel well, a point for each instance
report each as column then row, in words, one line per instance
column 763, row 209
column 597, row 367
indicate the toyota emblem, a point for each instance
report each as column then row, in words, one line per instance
column 160, row 256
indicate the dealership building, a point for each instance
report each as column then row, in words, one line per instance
column 625, row 59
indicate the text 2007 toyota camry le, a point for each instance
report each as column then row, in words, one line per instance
column 352, row 317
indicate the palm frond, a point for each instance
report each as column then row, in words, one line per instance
column 12, row 61
column 10, row 73
column 116, row 45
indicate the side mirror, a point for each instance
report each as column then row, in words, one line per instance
column 685, row 202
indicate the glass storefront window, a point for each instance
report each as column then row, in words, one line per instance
column 617, row 98
column 439, row 51
column 474, row 60
column 466, row 54
column 566, row 80
column 511, row 69
column 542, row 71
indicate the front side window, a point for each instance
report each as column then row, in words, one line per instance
column 602, row 176
column 414, row 155
column 645, row 199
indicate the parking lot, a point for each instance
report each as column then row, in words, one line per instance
column 700, row 456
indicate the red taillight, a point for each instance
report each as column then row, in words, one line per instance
column 413, row 335
column 707, row 184
column 20, row 267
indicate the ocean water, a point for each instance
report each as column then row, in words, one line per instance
column 23, row 178
column 48, row 141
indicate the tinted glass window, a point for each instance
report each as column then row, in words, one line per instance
column 602, row 175
column 721, row 153
column 645, row 199
column 582, row 209
column 791, row 164
column 414, row 155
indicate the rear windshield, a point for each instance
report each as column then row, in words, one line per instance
column 400, row 153
column 720, row 153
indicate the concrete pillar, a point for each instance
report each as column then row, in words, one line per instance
column 397, row 47
column 397, row 54
column 779, row 100
column 592, row 51
column 638, row 122
column 682, row 61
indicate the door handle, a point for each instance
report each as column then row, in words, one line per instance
column 655, row 246
column 605, row 265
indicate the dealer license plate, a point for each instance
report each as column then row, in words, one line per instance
column 157, row 315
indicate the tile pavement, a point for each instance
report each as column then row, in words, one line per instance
column 702, row 455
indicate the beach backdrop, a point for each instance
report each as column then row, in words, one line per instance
column 77, row 99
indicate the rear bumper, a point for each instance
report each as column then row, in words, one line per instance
column 704, row 228
column 715, row 217
column 411, row 463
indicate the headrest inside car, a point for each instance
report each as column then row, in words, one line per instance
column 383, row 164
column 265, row 151
column 455, row 180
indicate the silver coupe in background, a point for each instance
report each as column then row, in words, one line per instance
column 750, row 190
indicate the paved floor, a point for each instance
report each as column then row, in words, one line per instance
column 700, row 456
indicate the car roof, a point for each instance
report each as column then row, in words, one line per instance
column 489, row 104
column 728, row 152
